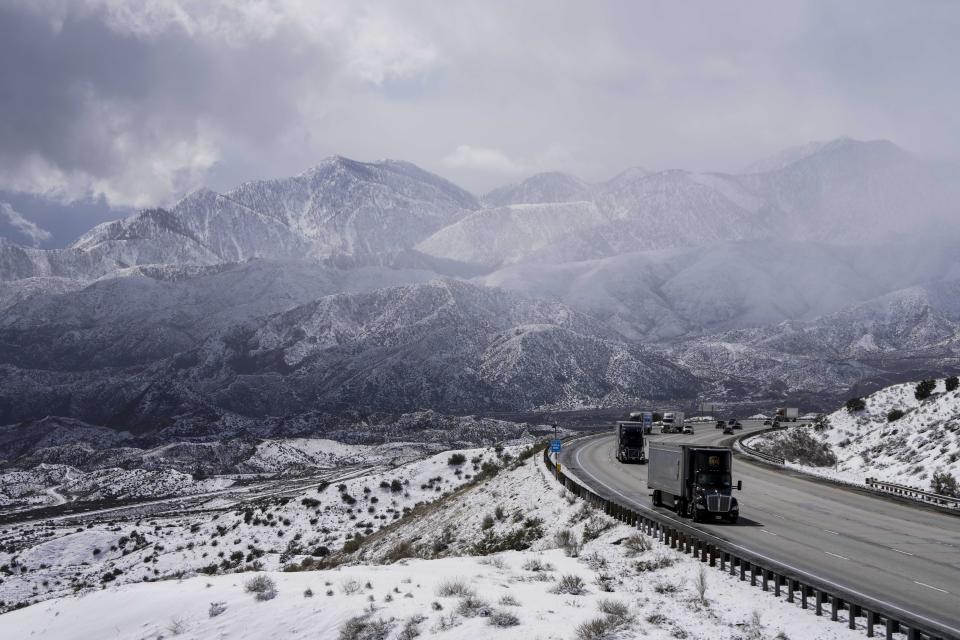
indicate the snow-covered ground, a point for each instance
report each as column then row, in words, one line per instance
column 510, row 556
column 907, row 450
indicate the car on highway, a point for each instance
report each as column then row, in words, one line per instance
column 687, row 429
column 721, row 424
column 737, row 425
column 767, row 422
column 732, row 421
column 727, row 430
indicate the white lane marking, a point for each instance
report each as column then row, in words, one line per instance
column 769, row 533
column 777, row 515
column 906, row 553
column 930, row 586
column 943, row 625
column 836, row 555
column 831, row 532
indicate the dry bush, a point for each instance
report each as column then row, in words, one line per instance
column 637, row 544
column 570, row 584
column 503, row 619
column 454, row 587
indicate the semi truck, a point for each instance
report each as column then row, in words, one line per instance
column 672, row 422
column 630, row 442
column 787, row 414
column 694, row 479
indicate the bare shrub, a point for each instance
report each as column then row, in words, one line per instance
column 615, row 609
column 503, row 619
column 216, row 608
column 177, row 626
column 753, row 628
column 446, row 622
column 454, row 587
column 595, row 561
column 570, row 584
column 597, row 629
column 472, row 606
column 637, row 544
column 494, row 561
column 537, row 564
column 411, row 628
column 509, row 601
column 350, row 587
column 260, row 584
column 665, row 588
column 605, row 582
column 700, row 584
column 363, row 628
column 594, row 527
column 659, row 562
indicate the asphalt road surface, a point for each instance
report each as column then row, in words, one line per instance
column 903, row 556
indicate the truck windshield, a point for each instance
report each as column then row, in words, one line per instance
column 713, row 479
column 632, row 436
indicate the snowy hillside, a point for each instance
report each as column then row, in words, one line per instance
column 875, row 443
column 538, row 189
column 604, row 576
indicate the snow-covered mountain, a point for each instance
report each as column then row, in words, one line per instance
column 339, row 207
column 444, row 344
column 906, row 448
column 538, row 189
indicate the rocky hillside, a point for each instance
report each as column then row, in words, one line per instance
column 895, row 437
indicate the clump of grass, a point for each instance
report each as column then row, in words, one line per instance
column 363, row 628
column 262, row 588
column 659, row 562
column 454, row 587
column 471, row 606
column 503, row 619
column 537, row 564
column 637, row 544
column 570, row 584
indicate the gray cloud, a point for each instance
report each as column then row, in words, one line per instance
column 23, row 226
column 139, row 101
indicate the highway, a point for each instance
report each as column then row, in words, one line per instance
column 904, row 556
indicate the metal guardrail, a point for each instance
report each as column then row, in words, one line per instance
column 756, row 453
column 730, row 558
column 913, row 492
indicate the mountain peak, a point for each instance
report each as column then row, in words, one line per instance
column 540, row 188
column 843, row 144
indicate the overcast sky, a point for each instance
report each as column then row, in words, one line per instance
column 137, row 101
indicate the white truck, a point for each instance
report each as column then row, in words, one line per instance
column 787, row 414
column 672, row 422
column 695, row 480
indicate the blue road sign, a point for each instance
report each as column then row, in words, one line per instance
column 647, row 417
column 555, row 446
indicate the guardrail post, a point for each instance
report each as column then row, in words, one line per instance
column 777, row 581
column 819, row 595
column 743, row 570
column 892, row 627
column 753, row 575
column 723, row 560
column 834, row 607
column 765, row 585
column 804, row 590
column 790, row 585
column 854, row 611
column 871, row 620
column 913, row 634
column 713, row 556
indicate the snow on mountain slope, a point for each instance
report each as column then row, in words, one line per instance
column 492, row 237
column 152, row 313
column 339, row 207
column 514, row 592
column 908, row 450
column 539, row 189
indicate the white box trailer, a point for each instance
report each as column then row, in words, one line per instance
column 694, row 478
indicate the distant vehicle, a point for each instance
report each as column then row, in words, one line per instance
column 767, row 422
column 737, row 425
column 695, row 480
column 687, row 429
column 787, row 414
column 732, row 421
column 728, row 430
column 672, row 422
column 720, row 424
column 630, row 442
column 637, row 416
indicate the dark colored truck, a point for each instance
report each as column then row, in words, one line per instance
column 695, row 479
column 630, row 442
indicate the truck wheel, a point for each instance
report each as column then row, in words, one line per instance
column 694, row 514
column 681, row 507
column 657, row 498
column 732, row 519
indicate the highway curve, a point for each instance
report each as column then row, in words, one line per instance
column 904, row 556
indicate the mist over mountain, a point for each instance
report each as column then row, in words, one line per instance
column 359, row 286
